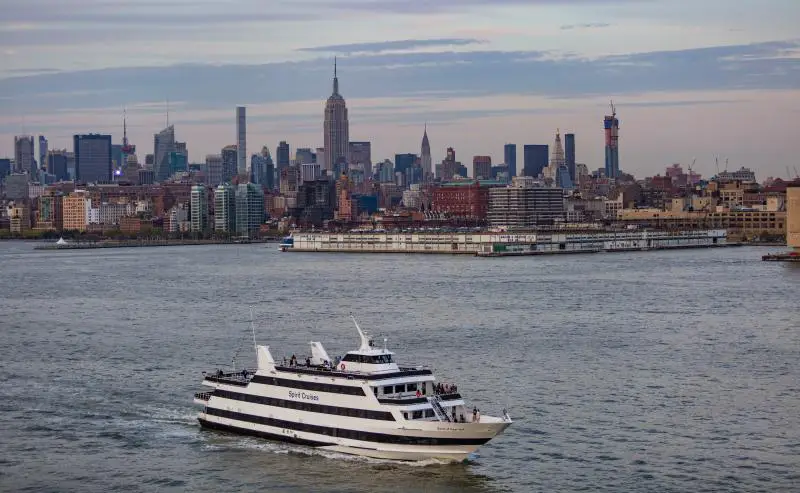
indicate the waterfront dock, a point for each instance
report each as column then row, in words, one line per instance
column 502, row 244
column 88, row 245
column 782, row 257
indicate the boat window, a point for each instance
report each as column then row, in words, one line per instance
column 405, row 415
column 388, row 389
column 429, row 413
column 417, row 415
column 411, row 387
column 380, row 359
column 399, row 388
column 375, row 389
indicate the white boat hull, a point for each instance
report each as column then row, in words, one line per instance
column 392, row 451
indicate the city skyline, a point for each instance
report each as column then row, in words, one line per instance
column 484, row 82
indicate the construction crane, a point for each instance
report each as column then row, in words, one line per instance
column 716, row 163
column 689, row 178
column 613, row 110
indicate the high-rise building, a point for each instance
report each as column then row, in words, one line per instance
column 24, row 161
column 304, row 155
column 92, row 158
column 5, row 168
column 57, row 164
column 482, row 167
column 225, row 208
column 402, row 162
column 361, row 156
column 249, row 209
column 42, row 152
column 569, row 149
column 268, row 179
column 321, row 158
column 336, row 128
column 523, row 206
column 535, row 159
column 229, row 157
column 426, row 160
column 282, row 153
column 309, row 172
column 163, row 145
column 241, row 141
column 611, row 125
column 198, row 205
column 214, row 169
column 510, row 158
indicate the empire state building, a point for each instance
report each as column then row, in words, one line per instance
column 336, row 128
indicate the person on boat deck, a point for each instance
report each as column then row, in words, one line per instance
column 474, row 413
column 462, row 418
column 293, row 360
column 308, row 361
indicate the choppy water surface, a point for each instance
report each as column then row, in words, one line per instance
column 658, row 371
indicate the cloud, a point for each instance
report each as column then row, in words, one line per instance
column 384, row 46
column 591, row 25
column 445, row 74
column 413, row 7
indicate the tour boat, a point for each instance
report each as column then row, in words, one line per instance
column 362, row 404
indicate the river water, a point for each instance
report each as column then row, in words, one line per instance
column 652, row 371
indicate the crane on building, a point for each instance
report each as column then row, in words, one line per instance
column 613, row 110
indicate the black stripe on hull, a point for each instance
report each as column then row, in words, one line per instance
column 306, row 385
column 260, row 434
column 363, row 436
column 304, row 406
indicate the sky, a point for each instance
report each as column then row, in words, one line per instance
column 691, row 80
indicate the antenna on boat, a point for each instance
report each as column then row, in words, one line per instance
column 365, row 345
column 253, row 328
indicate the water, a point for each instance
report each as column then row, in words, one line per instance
column 657, row 371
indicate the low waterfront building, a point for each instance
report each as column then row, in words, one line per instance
column 793, row 216
column 738, row 223
column 469, row 199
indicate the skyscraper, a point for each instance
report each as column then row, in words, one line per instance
column 163, row 145
column 558, row 158
column 336, row 127
column 569, row 148
column 611, row 125
column 283, row 155
column 229, row 157
column 426, row 160
column 92, row 158
column 361, row 156
column 510, row 158
column 241, row 141
column 57, row 164
column 535, row 159
column 24, row 162
column 42, row 152
column 482, row 167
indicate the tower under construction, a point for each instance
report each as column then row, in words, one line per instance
column 611, row 125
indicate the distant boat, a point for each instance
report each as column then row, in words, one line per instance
column 61, row 242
